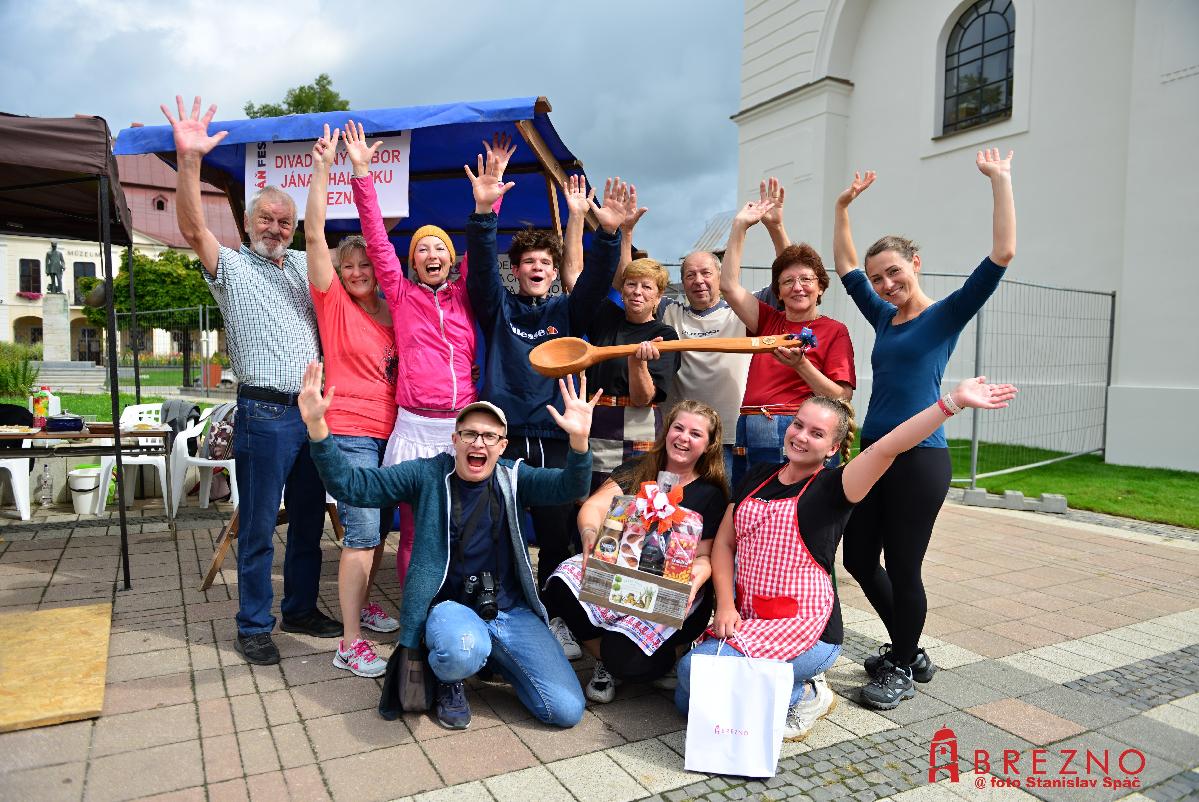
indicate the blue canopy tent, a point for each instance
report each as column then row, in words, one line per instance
column 444, row 137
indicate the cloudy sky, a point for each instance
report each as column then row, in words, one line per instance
column 640, row 88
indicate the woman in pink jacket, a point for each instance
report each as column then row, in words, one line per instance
column 434, row 327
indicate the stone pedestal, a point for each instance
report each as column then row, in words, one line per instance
column 56, row 328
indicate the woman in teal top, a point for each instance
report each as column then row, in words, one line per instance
column 914, row 338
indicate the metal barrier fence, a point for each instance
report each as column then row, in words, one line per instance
column 1054, row 343
column 176, row 348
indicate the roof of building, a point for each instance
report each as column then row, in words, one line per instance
column 716, row 233
column 147, row 179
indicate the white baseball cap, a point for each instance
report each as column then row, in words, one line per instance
column 483, row 406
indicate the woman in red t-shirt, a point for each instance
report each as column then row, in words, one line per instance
column 780, row 381
column 358, row 344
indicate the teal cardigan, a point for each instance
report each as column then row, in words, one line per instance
column 425, row 484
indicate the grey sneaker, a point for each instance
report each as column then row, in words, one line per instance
column 890, row 686
column 804, row 714
column 566, row 639
column 922, row 666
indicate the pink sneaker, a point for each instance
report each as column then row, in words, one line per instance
column 373, row 617
column 360, row 659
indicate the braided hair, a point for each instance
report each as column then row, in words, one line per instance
column 847, row 428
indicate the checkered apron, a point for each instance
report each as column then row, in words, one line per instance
column 783, row 595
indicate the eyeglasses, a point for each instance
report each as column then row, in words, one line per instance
column 469, row 436
column 807, row 281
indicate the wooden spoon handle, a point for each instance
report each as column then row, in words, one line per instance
column 724, row 345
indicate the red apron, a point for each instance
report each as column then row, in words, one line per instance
column 783, row 595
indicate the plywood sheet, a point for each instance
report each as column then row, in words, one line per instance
column 68, row 687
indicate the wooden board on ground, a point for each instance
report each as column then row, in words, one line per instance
column 70, row 688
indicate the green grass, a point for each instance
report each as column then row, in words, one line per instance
column 98, row 405
column 1087, row 482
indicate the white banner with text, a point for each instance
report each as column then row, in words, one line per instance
column 288, row 165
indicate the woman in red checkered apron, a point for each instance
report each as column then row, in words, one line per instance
column 773, row 555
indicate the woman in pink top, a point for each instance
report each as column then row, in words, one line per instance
column 434, row 324
column 357, row 338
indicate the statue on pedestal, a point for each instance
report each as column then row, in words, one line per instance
column 55, row 265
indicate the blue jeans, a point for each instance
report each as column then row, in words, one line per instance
column 728, row 465
column 521, row 648
column 365, row 526
column 807, row 665
column 763, row 440
column 270, row 446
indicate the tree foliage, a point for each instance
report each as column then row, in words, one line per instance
column 172, row 281
column 316, row 96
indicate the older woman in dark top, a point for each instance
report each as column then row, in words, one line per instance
column 627, row 420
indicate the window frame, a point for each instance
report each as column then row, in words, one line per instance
column 976, row 57
column 29, row 272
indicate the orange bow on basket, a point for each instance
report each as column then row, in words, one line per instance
column 657, row 506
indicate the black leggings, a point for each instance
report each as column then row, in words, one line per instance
column 896, row 520
column 621, row 656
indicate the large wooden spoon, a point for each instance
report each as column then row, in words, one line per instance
column 566, row 355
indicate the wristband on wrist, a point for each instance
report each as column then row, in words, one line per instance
column 948, row 405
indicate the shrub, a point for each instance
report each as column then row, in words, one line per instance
column 17, row 375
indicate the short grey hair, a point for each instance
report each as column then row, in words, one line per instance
column 715, row 259
column 348, row 244
column 271, row 193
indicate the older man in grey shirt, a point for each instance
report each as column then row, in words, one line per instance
column 262, row 291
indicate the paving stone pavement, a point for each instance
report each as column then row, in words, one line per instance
column 1050, row 635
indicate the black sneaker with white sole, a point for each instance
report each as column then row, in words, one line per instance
column 258, row 649
column 891, row 684
column 922, row 666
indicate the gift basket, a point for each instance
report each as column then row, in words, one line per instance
column 641, row 563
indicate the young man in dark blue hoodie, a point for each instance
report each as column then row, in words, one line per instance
column 514, row 323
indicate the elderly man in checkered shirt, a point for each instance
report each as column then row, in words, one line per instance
column 263, row 294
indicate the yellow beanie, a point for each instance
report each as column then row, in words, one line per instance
column 431, row 231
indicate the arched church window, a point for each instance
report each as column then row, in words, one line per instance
column 978, row 66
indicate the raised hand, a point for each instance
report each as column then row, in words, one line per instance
column 500, row 149
column 771, row 190
column 860, row 184
column 359, row 152
column 578, row 199
column 488, row 186
column 980, row 395
column 575, row 420
column 191, row 133
column 619, row 204
column 990, row 165
column 313, row 405
column 752, row 213
column 634, row 212
column 324, row 150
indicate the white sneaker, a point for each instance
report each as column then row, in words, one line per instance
column 373, row 617
column 602, row 687
column 359, row 659
column 804, row 714
column 570, row 646
column 668, row 681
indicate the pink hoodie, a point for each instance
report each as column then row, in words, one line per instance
column 434, row 329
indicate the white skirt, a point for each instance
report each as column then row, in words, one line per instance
column 416, row 436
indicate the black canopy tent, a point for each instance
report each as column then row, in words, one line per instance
column 58, row 178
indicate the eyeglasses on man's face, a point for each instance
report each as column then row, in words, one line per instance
column 469, row 436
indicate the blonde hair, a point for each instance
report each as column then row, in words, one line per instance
column 347, row 245
column 647, row 268
column 847, row 428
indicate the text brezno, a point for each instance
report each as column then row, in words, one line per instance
column 719, row 730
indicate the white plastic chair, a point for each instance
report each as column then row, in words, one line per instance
column 132, row 414
column 18, row 478
column 181, row 460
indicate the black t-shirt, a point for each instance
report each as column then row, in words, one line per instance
column 822, row 512
column 609, row 327
column 706, row 498
column 488, row 547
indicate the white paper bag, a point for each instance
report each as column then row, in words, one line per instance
column 736, row 713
